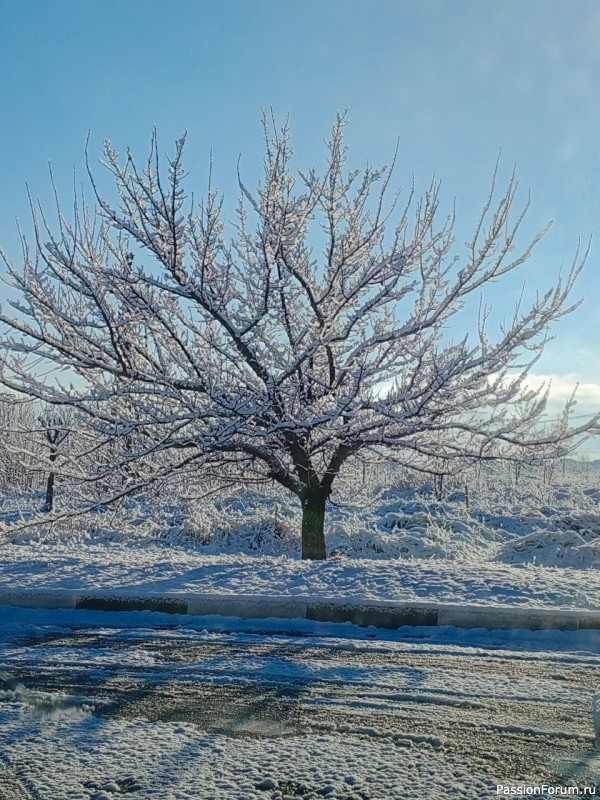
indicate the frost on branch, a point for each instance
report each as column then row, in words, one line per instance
column 260, row 354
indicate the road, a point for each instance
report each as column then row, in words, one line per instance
column 90, row 709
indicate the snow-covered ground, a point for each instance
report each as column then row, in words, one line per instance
column 522, row 544
column 141, row 568
column 430, row 713
column 94, row 706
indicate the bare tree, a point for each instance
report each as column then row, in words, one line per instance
column 279, row 348
column 17, row 453
column 55, row 432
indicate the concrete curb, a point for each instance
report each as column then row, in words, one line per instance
column 44, row 598
column 382, row 614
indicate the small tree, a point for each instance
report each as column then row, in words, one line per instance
column 55, row 433
column 266, row 351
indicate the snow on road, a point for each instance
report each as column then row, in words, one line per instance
column 94, row 706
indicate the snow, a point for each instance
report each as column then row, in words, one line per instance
column 143, row 568
column 520, row 547
column 95, row 754
column 531, row 545
column 177, row 761
column 341, row 741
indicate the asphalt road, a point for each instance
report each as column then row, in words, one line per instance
column 515, row 707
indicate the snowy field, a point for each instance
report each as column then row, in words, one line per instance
column 525, row 543
column 144, row 568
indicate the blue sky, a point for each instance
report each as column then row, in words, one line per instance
column 454, row 80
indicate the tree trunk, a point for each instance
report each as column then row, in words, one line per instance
column 49, row 504
column 313, row 518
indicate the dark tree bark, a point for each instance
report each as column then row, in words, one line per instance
column 55, row 435
column 313, row 519
column 49, row 504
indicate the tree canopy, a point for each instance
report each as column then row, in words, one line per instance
column 310, row 329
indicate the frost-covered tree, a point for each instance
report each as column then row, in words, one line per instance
column 55, row 431
column 17, row 455
column 312, row 328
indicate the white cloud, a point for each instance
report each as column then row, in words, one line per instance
column 562, row 386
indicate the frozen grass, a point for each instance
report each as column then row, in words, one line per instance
column 554, row 523
column 525, row 543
